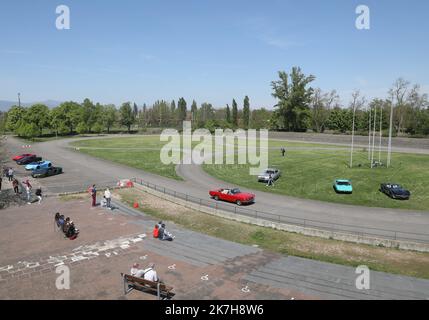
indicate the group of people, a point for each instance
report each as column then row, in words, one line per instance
column 107, row 197
column 66, row 225
column 9, row 174
column 148, row 274
column 161, row 233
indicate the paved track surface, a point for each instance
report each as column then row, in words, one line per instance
column 82, row 170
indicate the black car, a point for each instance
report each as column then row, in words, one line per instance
column 395, row 191
column 46, row 172
column 30, row 159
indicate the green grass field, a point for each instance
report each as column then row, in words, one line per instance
column 310, row 174
column 306, row 173
column 141, row 152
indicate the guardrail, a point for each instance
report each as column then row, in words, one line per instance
column 316, row 224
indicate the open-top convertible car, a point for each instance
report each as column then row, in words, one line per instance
column 343, row 186
column 19, row 157
column 28, row 159
column 395, row 191
column 46, row 172
column 38, row 165
column 232, row 195
column 265, row 175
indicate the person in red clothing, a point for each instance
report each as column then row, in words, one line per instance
column 155, row 231
column 94, row 195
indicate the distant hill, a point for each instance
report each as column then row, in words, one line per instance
column 5, row 104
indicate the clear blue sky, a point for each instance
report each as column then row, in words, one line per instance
column 213, row 51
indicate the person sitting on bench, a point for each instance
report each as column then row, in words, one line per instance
column 71, row 231
column 150, row 273
column 155, row 231
column 66, row 225
column 59, row 219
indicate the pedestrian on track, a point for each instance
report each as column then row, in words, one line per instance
column 108, row 197
column 94, row 195
column 10, row 174
column 28, row 188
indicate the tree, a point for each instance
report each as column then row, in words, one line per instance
column 135, row 110
column 38, row 114
column 81, row 128
column 27, row 130
column 181, row 105
column 3, row 120
column 320, row 106
column 228, row 114
column 14, row 115
column 292, row 110
column 246, row 112
column 66, row 115
column 234, row 113
column 89, row 116
column 109, row 117
column 127, row 116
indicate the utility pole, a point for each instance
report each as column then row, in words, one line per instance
column 19, row 99
column 389, row 147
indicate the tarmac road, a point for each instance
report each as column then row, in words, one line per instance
column 82, row 171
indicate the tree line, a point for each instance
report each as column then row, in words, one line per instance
column 299, row 107
column 88, row 117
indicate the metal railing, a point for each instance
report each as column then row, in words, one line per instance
column 277, row 218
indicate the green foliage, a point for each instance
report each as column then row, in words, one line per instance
column 14, row 116
column 127, row 115
column 246, row 112
column 340, row 120
column 292, row 110
column 181, row 105
column 234, row 113
column 82, row 128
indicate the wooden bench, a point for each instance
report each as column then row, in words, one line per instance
column 131, row 283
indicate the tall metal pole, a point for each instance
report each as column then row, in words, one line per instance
column 369, row 134
column 373, row 136
column 353, row 136
column 19, row 99
column 389, row 147
column 381, row 133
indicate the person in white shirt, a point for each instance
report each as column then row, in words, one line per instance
column 150, row 273
column 108, row 197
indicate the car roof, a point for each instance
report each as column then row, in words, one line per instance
column 342, row 180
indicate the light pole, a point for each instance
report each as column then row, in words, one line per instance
column 373, row 136
column 381, row 133
column 353, row 136
column 369, row 134
column 19, row 99
column 389, row 147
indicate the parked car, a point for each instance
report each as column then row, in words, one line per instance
column 38, row 165
column 29, row 159
column 343, row 186
column 232, row 195
column 264, row 176
column 395, row 191
column 16, row 158
column 46, row 172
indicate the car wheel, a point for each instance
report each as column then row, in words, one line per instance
column 238, row 203
column 216, row 198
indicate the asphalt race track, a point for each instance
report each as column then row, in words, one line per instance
column 81, row 171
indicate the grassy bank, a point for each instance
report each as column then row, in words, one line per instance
column 376, row 258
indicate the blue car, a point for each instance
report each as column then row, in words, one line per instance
column 343, row 186
column 38, row 165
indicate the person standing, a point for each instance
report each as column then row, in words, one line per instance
column 39, row 194
column 10, row 174
column 283, row 151
column 94, row 195
column 15, row 185
column 270, row 180
column 28, row 188
column 108, row 197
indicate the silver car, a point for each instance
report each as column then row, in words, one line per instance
column 264, row 176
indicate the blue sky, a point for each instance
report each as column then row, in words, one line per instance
column 211, row 51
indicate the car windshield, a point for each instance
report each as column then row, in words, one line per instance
column 396, row 186
column 235, row 191
column 269, row 171
column 343, row 183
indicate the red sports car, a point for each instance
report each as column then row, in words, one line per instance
column 16, row 158
column 232, row 195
